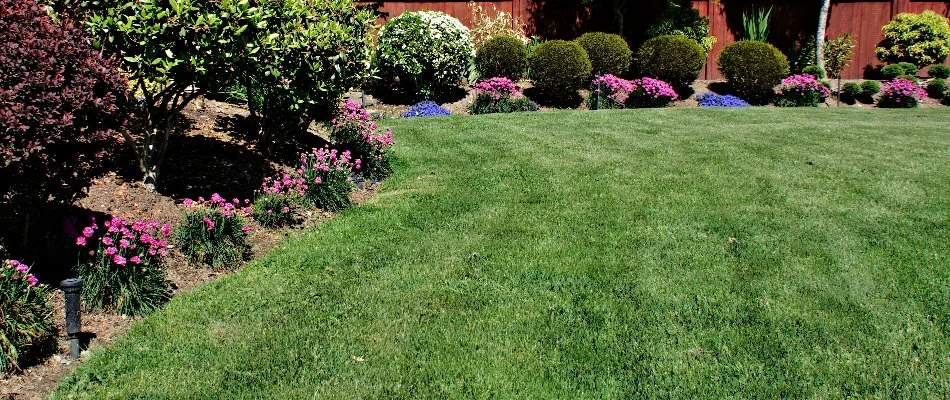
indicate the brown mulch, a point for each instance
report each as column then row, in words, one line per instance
column 211, row 156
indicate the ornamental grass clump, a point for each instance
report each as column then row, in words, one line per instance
column 500, row 95
column 426, row 108
column 327, row 173
column 277, row 200
column 124, row 271
column 900, row 93
column 609, row 92
column 709, row 99
column 355, row 131
column 26, row 319
column 802, row 90
column 214, row 232
column 651, row 93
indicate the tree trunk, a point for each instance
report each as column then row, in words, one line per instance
column 820, row 37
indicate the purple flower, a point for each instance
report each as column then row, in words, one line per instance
column 425, row 109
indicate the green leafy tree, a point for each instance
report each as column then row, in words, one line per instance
column 681, row 19
column 920, row 39
column 169, row 50
column 838, row 54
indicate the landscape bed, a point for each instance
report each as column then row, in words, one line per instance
column 757, row 252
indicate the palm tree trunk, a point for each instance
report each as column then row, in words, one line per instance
column 820, row 37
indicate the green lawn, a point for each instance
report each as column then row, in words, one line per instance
column 588, row 255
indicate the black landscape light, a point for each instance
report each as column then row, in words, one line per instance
column 71, row 289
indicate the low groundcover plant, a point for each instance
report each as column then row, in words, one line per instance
column 426, row 108
column 500, row 95
column 124, row 270
column 710, row 99
column 26, row 320
column 214, row 231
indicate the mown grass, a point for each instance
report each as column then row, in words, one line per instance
column 753, row 253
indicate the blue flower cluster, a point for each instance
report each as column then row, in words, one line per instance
column 425, row 109
column 710, row 99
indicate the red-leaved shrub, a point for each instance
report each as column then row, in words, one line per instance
column 60, row 106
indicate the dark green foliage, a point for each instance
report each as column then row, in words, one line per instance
column 911, row 78
column 936, row 88
column 26, row 326
column 892, row 71
column 946, row 99
column 870, row 88
column 909, row 69
column 681, row 19
column 676, row 60
column 502, row 56
column 850, row 92
column 815, row 71
column 484, row 103
column 803, row 55
column 559, row 68
column 275, row 209
column 327, row 175
column 608, row 52
column 753, row 69
column 221, row 244
column 939, row 71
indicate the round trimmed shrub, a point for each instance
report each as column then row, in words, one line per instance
column 502, row 57
column 911, row 78
column 27, row 322
column 939, row 71
column 870, row 88
column 61, row 106
column 608, row 52
column 815, row 71
column 891, row 72
column 675, row 59
column 850, row 92
column 753, row 69
column 427, row 52
column 920, row 39
column 559, row 68
column 909, row 69
column 936, row 88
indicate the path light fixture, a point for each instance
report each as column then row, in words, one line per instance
column 71, row 290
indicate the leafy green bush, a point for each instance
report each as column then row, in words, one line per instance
column 815, row 71
column 61, row 104
column 870, row 88
column 27, row 323
column 214, row 232
column 327, row 174
column 946, row 99
column 677, row 60
column 911, row 78
column 939, row 71
column 920, row 39
column 311, row 53
column 608, row 52
column 936, row 88
column 502, row 56
column 909, row 69
column 426, row 53
column 167, row 48
column 753, row 69
column 681, row 19
column 559, row 68
column 126, row 270
column 850, row 92
column 892, row 71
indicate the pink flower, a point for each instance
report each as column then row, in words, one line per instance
column 87, row 232
column 112, row 250
column 21, row 268
column 118, row 259
column 81, row 241
column 124, row 244
column 107, row 241
column 32, row 280
column 286, row 209
column 135, row 260
column 209, row 223
column 245, row 228
column 188, row 202
column 166, row 230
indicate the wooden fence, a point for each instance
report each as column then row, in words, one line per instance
column 792, row 21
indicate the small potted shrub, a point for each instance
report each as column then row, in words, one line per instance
column 900, row 93
column 27, row 324
column 499, row 95
column 609, row 92
column 125, row 271
column 214, row 232
column 803, row 90
column 651, row 93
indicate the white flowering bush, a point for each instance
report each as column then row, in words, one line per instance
column 426, row 53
